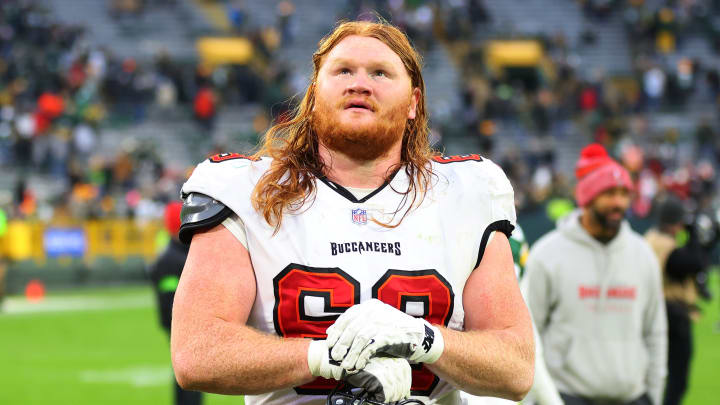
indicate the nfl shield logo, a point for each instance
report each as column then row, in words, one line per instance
column 359, row 216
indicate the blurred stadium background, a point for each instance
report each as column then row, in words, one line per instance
column 106, row 105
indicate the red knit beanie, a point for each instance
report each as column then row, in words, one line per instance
column 597, row 172
column 172, row 217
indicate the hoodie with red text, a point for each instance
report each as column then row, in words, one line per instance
column 600, row 312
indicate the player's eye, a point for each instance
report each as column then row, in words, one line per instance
column 344, row 71
column 380, row 73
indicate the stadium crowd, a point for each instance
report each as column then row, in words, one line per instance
column 59, row 94
column 560, row 101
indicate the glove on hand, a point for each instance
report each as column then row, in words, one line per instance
column 375, row 327
column 318, row 359
column 386, row 379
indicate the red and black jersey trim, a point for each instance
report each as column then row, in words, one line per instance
column 457, row 158
column 503, row 226
column 221, row 157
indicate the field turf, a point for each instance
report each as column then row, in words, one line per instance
column 105, row 346
column 87, row 347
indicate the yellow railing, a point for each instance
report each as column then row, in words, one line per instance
column 116, row 239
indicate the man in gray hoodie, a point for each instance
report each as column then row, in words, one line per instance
column 593, row 286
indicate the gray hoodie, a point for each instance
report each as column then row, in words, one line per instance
column 600, row 312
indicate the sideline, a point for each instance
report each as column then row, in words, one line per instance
column 20, row 305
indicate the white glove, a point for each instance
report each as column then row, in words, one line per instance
column 318, row 359
column 375, row 327
column 385, row 378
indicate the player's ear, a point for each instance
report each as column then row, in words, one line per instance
column 414, row 99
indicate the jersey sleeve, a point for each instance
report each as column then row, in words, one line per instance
column 237, row 227
column 484, row 202
column 217, row 179
column 502, row 197
column 228, row 179
column 497, row 201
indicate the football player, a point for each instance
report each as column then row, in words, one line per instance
column 345, row 217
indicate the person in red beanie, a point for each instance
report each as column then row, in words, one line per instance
column 593, row 286
column 165, row 274
column 603, row 191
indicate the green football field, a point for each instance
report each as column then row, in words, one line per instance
column 106, row 347
column 87, row 347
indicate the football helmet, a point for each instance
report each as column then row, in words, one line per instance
column 347, row 394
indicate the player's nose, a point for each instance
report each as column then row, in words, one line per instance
column 359, row 85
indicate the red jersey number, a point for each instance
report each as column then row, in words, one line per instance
column 423, row 293
column 298, row 285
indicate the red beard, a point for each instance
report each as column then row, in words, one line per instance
column 360, row 142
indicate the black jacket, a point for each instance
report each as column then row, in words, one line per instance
column 164, row 274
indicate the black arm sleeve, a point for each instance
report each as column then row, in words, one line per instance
column 200, row 212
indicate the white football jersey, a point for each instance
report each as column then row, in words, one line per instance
column 331, row 254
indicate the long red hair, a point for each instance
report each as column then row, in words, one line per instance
column 293, row 145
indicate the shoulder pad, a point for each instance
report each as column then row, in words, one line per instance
column 200, row 212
